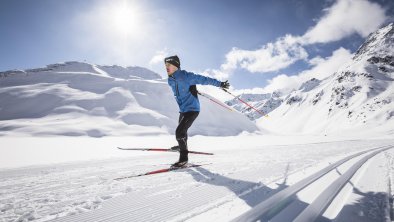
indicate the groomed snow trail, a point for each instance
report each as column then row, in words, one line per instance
column 308, row 199
column 238, row 180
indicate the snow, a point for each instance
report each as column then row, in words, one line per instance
column 359, row 95
column 60, row 126
column 369, row 201
column 45, row 178
column 85, row 99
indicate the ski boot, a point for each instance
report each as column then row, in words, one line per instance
column 183, row 153
column 175, row 148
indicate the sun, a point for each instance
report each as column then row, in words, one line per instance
column 124, row 18
column 113, row 30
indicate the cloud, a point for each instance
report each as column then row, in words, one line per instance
column 324, row 67
column 321, row 68
column 344, row 18
column 159, row 57
column 283, row 83
column 217, row 74
column 270, row 57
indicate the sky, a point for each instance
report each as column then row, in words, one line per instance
column 258, row 45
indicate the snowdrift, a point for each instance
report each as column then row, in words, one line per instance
column 77, row 99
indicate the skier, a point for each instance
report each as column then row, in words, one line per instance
column 183, row 84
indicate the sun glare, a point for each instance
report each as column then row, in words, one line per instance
column 115, row 29
column 124, row 18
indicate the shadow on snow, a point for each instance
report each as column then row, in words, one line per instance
column 370, row 207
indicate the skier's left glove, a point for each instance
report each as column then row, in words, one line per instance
column 225, row 85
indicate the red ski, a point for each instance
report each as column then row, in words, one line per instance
column 163, row 150
column 161, row 171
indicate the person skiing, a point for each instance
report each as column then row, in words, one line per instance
column 183, row 84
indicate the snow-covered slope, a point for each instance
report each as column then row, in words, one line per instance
column 359, row 96
column 76, row 99
column 263, row 102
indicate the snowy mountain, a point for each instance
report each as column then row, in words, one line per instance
column 360, row 95
column 263, row 102
column 75, row 99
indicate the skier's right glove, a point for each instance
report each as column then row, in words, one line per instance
column 225, row 85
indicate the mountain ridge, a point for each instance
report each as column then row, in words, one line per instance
column 357, row 96
column 79, row 99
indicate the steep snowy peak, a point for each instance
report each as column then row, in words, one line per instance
column 371, row 73
column 367, row 76
column 309, row 85
column 378, row 44
column 358, row 96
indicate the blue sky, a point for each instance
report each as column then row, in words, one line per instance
column 254, row 44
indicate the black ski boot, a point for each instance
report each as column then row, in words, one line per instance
column 175, row 148
column 183, row 153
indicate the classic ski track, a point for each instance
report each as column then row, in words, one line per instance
column 327, row 195
column 97, row 171
column 132, row 206
column 151, row 194
column 76, row 189
column 126, row 212
column 55, row 185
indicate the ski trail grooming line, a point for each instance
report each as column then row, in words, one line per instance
column 279, row 201
column 163, row 150
column 317, row 208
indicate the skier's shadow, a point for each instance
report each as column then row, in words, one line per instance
column 252, row 193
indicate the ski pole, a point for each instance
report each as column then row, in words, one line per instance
column 228, row 108
column 245, row 102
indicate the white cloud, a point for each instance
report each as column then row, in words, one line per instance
column 217, row 74
column 271, row 57
column 344, row 18
column 159, row 57
column 283, row 83
column 321, row 68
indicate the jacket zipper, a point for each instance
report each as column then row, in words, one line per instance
column 176, row 85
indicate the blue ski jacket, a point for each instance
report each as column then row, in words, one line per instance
column 181, row 83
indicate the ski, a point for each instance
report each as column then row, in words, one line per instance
column 164, row 170
column 163, row 150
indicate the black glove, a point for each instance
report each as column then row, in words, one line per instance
column 225, row 85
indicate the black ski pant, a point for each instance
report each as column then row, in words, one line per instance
column 186, row 119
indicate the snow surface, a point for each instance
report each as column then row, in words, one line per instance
column 72, row 178
column 60, row 126
column 77, row 99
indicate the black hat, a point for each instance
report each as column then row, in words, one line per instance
column 174, row 60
